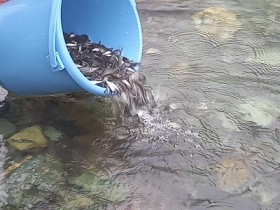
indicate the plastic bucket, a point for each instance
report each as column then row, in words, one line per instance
column 34, row 59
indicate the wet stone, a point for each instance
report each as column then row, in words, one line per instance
column 15, row 166
column 233, row 174
column 28, row 138
column 77, row 200
column 261, row 111
column 100, row 184
column 52, row 133
column 37, row 180
column 217, row 22
column 109, row 69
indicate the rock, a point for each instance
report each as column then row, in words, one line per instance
column 259, row 110
column 153, row 51
column 227, row 123
column 37, row 180
column 52, row 133
column 77, row 201
column 266, row 189
column 99, row 184
column 6, row 127
column 217, row 22
column 269, row 56
column 15, row 166
column 233, row 174
column 28, row 138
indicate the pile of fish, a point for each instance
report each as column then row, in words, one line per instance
column 109, row 69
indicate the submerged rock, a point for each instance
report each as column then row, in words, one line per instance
column 73, row 201
column 264, row 195
column 259, row 110
column 233, row 174
column 35, row 181
column 28, row 138
column 15, row 166
column 100, row 184
column 217, row 22
column 227, row 122
column 52, row 133
column 268, row 56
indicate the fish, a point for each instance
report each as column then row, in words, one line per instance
column 108, row 68
column 71, row 45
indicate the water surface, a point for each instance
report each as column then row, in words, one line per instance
column 212, row 142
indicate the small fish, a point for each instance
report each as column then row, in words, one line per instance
column 130, row 69
column 88, row 69
column 95, row 82
column 114, row 88
column 126, row 83
column 107, row 53
column 124, row 98
column 71, row 44
column 107, row 68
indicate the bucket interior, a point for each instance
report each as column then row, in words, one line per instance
column 113, row 23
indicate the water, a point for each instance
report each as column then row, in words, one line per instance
column 213, row 140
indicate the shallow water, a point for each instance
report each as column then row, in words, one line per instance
column 213, row 141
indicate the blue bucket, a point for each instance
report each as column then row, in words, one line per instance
column 34, row 59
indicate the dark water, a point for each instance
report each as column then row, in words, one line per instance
column 213, row 141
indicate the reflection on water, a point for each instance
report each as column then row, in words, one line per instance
column 212, row 142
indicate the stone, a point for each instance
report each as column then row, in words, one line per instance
column 233, row 174
column 15, row 166
column 52, row 133
column 266, row 190
column 259, row 110
column 98, row 183
column 36, row 180
column 227, row 123
column 269, row 56
column 28, row 138
column 77, row 201
column 217, row 22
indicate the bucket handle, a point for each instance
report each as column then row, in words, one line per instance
column 55, row 60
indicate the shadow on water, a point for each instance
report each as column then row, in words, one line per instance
column 212, row 142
